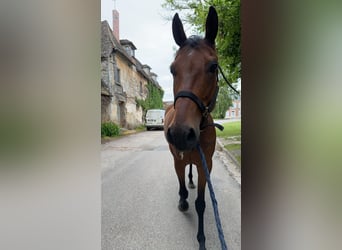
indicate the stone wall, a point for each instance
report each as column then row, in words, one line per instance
column 130, row 82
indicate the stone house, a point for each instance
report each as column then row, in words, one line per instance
column 123, row 80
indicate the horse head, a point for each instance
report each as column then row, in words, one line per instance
column 195, row 88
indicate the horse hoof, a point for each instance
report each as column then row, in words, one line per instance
column 202, row 247
column 183, row 205
column 191, row 185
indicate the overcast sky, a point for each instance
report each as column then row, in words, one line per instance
column 142, row 23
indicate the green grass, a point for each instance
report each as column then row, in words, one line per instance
column 230, row 135
column 230, row 129
column 238, row 158
column 232, row 146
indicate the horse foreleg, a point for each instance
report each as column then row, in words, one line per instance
column 183, row 205
column 200, row 207
column 200, row 203
column 191, row 183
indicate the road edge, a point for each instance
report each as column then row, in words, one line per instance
column 232, row 165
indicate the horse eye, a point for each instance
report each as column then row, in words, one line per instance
column 213, row 67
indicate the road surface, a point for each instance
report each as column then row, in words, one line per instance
column 140, row 198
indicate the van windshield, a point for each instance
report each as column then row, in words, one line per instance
column 155, row 112
column 152, row 112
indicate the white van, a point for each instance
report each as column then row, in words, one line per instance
column 154, row 119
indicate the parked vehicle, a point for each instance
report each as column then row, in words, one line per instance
column 154, row 119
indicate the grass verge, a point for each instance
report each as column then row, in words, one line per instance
column 230, row 129
column 231, row 138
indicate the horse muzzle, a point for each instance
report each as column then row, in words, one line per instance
column 184, row 138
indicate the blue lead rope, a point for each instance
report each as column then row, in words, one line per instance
column 213, row 199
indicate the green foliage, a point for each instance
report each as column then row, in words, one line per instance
column 229, row 31
column 222, row 104
column 109, row 129
column 154, row 99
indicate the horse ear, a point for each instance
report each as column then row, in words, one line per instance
column 178, row 30
column 211, row 26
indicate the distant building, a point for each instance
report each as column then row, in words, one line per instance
column 123, row 78
column 234, row 112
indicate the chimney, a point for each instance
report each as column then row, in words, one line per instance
column 116, row 24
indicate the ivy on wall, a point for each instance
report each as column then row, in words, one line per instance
column 154, row 99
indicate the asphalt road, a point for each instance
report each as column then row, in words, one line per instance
column 140, row 198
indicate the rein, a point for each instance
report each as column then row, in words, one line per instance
column 213, row 199
column 226, row 80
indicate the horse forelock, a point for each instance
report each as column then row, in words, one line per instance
column 194, row 42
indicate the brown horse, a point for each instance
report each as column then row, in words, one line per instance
column 188, row 121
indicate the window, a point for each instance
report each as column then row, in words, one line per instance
column 128, row 50
column 141, row 88
column 117, row 75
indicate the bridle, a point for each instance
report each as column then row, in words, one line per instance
column 205, row 109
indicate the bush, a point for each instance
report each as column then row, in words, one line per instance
column 109, row 129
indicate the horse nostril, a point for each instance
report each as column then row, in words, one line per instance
column 183, row 138
column 192, row 135
column 169, row 136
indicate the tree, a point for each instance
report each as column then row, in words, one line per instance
column 229, row 31
column 222, row 104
